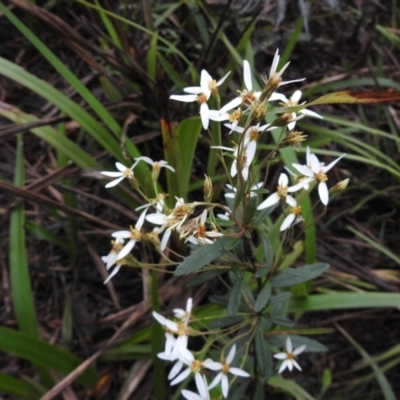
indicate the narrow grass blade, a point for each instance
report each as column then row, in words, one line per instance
column 291, row 387
column 386, row 388
column 23, row 390
column 345, row 300
column 44, row 354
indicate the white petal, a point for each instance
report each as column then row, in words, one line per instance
column 283, row 180
column 114, row 182
column 222, row 80
column 126, row 250
column 280, row 356
column 225, row 386
column 120, row 167
column 299, row 350
column 315, row 164
column 175, row 370
column 311, row 113
column 193, row 89
column 247, row 75
column 231, row 354
column 205, row 79
column 112, row 174
column 113, row 273
column 328, row 167
column 121, row 234
column 216, row 380
column 140, row 221
column 165, row 239
column 291, row 201
column 234, row 168
column 235, row 128
column 283, row 366
column 296, row 96
column 275, row 63
column 238, row 372
column 250, row 152
column 204, row 115
column 188, row 395
column 213, row 365
column 278, row 96
column 148, row 160
column 304, row 170
column 289, row 346
column 270, row 201
column 156, row 218
column 186, row 98
column 181, row 377
column 323, row 193
column 160, row 318
column 287, row 222
column 232, row 104
column 296, row 365
column 200, row 384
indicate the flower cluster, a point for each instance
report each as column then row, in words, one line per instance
column 198, row 223
column 176, row 350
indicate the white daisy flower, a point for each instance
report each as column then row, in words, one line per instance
column 315, row 170
column 123, row 173
column 289, row 356
column 225, row 368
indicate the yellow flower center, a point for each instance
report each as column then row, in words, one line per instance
column 248, row 97
column 225, row 368
column 236, row 115
column 296, row 210
column 321, row 177
column 135, row 234
column 253, row 134
column 128, row 173
column 196, row 366
column 201, row 231
column 201, row 98
column 282, row 191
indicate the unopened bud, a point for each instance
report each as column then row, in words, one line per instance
column 294, row 138
column 258, row 111
column 340, row 186
column 208, row 188
column 156, row 171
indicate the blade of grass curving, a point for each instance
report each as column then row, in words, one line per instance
column 294, row 36
column 188, row 132
column 345, row 300
column 23, row 390
column 51, row 136
column 23, row 301
column 44, row 354
column 193, row 72
column 109, row 26
column 87, row 95
column 289, row 386
column 386, row 388
column 45, row 235
column 384, row 250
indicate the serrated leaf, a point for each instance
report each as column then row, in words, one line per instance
column 263, row 297
column 292, row 276
column 235, row 297
column 263, row 353
column 203, row 256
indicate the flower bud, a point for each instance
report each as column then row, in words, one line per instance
column 340, row 186
column 208, row 188
column 294, row 138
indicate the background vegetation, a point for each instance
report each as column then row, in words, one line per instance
column 86, row 83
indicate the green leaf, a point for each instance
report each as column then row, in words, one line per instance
column 235, row 297
column 326, row 380
column 203, row 256
column 11, row 385
column 188, row 132
column 280, row 298
column 292, row 276
column 263, row 297
column 225, row 321
column 263, row 353
column 289, row 386
column 344, row 300
column 204, row 277
column 281, row 321
column 44, row 354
